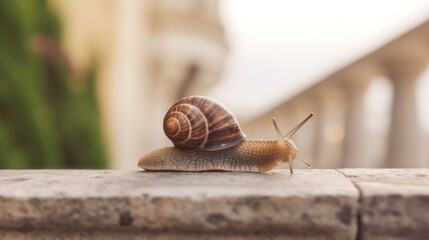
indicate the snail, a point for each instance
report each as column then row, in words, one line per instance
column 207, row 137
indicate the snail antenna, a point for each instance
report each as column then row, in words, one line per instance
column 297, row 127
column 279, row 134
column 304, row 162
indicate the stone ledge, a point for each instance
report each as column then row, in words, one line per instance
column 395, row 202
column 312, row 204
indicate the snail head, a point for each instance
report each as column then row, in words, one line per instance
column 287, row 143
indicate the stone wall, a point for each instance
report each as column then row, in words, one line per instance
column 312, row 204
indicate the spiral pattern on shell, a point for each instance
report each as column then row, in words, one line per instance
column 198, row 122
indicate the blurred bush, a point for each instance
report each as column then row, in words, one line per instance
column 49, row 116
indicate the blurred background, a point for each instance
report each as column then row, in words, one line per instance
column 86, row 84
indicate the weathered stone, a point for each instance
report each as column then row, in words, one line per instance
column 395, row 202
column 312, row 204
column 131, row 235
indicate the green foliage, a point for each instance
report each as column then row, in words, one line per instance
column 48, row 118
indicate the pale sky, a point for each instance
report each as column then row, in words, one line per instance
column 279, row 47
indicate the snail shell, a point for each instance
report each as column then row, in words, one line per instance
column 199, row 122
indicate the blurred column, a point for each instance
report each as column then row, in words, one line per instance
column 405, row 147
column 354, row 148
column 126, row 85
column 187, row 49
column 300, row 108
column 329, row 130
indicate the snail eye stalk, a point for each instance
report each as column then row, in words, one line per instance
column 297, row 127
column 278, row 133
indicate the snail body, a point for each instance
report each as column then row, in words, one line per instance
column 207, row 137
column 249, row 156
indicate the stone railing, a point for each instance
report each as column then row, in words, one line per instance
column 339, row 137
column 312, row 204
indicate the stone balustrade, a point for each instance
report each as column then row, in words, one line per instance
column 340, row 137
column 311, row 204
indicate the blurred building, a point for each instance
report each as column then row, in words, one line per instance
column 338, row 135
column 149, row 53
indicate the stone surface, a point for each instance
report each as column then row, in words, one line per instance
column 395, row 202
column 312, row 204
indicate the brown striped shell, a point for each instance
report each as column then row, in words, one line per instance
column 198, row 122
